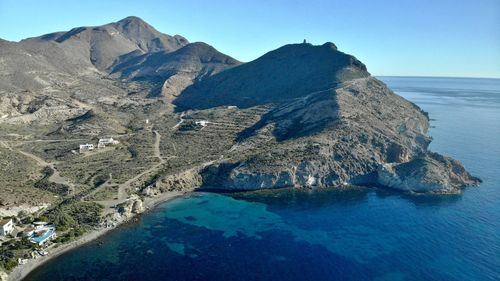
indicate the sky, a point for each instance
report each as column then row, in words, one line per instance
column 392, row 37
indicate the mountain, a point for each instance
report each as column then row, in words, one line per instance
column 183, row 116
column 86, row 57
column 328, row 123
column 102, row 45
column 175, row 70
column 286, row 73
column 80, row 51
column 190, row 117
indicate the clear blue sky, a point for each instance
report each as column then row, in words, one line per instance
column 392, row 37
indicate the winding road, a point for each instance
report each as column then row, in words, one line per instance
column 55, row 177
column 180, row 121
column 122, row 188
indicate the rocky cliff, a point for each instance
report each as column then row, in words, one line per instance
column 330, row 125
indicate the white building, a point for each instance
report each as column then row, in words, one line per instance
column 202, row 123
column 86, row 147
column 6, row 227
column 43, row 233
column 103, row 142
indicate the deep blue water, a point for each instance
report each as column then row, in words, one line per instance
column 363, row 234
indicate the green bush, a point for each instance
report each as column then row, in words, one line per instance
column 8, row 264
column 75, row 214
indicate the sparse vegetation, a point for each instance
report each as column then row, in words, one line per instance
column 17, row 177
column 13, row 250
column 75, row 215
column 45, row 184
column 107, row 193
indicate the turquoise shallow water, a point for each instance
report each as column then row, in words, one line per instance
column 361, row 234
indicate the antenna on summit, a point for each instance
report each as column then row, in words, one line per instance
column 305, row 42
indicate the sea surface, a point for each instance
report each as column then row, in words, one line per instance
column 361, row 234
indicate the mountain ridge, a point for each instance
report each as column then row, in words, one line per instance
column 290, row 71
column 302, row 115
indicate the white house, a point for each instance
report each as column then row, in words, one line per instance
column 202, row 123
column 86, row 147
column 43, row 233
column 103, row 142
column 6, row 227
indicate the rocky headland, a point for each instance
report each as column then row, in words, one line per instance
column 187, row 117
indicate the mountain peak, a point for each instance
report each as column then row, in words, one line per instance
column 330, row 45
column 291, row 71
column 131, row 19
column 103, row 45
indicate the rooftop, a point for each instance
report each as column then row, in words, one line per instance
column 5, row 221
column 43, row 235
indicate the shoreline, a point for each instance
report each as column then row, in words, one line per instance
column 22, row 271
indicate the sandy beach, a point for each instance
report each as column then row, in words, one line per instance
column 21, row 271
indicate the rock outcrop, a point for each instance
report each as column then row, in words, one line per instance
column 430, row 172
column 131, row 206
column 187, row 180
column 124, row 212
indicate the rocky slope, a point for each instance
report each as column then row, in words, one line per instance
column 299, row 116
column 188, row 117
column 289, row 72
column 331, row 124
column 102, row 45
column 174, row 71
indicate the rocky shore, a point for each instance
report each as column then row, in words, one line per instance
column 356, row 140
column 124, row 214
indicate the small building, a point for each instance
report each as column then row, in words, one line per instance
column 202, row 123
column 232, row 107
column 6, row 227
column 86, row 147
column 104, row 142
column 42, row 234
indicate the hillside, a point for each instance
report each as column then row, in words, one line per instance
column 187, row 117
column 286, row 73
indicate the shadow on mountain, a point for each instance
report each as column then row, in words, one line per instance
column 289, row 72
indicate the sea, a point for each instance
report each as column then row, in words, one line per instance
column 356, row 234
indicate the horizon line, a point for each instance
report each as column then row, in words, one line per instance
column 429, row 76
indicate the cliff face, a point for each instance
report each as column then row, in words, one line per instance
column 430, row 172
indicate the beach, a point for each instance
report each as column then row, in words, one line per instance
column 21, row 271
